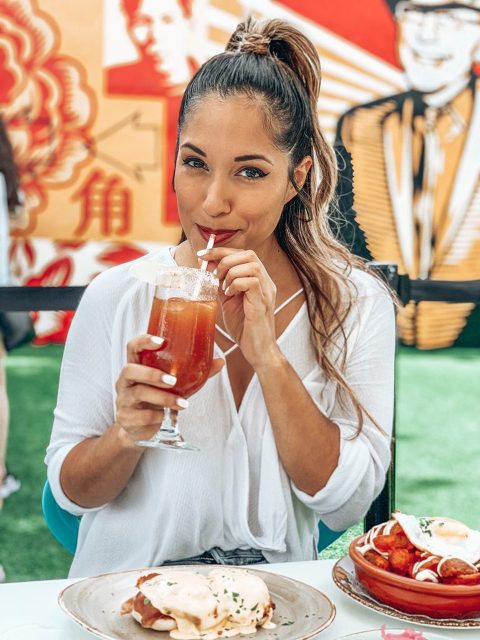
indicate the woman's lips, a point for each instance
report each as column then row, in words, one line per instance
column 221, row 235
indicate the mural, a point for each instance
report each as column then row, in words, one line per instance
column 90, row 94
column 162, row 35
column 417, row 164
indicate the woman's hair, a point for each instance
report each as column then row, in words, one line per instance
column 276, row 65
column 9, row 170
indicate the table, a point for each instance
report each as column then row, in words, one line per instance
column 29, row 610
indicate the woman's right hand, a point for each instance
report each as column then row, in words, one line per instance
column 142, row 391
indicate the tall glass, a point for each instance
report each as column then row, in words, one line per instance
column 183, row 312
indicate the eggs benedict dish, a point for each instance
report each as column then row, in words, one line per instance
column 189, row 605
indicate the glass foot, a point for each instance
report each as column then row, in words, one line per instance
column 171, row 444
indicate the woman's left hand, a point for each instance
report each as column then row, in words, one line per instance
column 247, row 296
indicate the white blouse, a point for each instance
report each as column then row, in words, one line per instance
column 234, row 493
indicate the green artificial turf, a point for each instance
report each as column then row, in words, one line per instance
column 438, row 433
column 27, row 549
column 438, row 429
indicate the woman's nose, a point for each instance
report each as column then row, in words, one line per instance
column 217, row 200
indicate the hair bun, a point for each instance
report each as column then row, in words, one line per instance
column 255, row 43
column 247, row 39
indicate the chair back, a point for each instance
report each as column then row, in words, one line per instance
column 62, row 524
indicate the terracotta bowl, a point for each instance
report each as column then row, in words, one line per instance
column 413, row 596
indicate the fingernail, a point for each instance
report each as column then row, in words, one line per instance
column 182, row 403
column 227, row 291
column 202, row 252
column 157, row 340
column 167, row 379
column 224, row 285
column 215, row 272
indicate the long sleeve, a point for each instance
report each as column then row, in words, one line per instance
column 364, row 459
column 85, row 405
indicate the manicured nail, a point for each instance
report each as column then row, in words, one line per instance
column 167, row 379
column 227, row 291
column 182, row 403
column 215, row 272
column 224, row 285
column 202, row 252
column 157, row 340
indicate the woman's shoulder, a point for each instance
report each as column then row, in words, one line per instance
column 366, row 284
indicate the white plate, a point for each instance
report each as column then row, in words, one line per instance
column 94, row 603
column 376, row 634
column 344, row 577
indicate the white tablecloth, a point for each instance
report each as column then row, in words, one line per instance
column 29, row 610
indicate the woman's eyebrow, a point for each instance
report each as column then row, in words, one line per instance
column 252, row 157
column 245, row 158
column 194, row 148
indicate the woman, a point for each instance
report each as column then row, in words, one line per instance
column 295, row 427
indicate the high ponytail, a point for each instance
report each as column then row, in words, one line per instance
column 275, row 63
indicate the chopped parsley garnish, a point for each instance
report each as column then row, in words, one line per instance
column 425, row 525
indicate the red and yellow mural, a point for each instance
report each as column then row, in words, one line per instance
column 90, row 93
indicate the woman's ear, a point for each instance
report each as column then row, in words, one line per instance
column 300, row 174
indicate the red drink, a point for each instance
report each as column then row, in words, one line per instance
column 188, row 327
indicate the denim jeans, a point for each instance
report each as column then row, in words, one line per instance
column 218, row 556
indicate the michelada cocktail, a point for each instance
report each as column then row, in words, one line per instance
column 183, row 312
column 188, row 326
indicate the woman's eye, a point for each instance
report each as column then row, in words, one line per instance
column 252, row 173
column 195, row 163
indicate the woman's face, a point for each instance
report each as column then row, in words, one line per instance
column 230, row 178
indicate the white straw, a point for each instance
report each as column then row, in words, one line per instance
column 211, row 242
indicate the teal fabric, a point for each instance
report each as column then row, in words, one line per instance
column 326, row 536
column 63, row 525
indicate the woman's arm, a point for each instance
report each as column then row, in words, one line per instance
column 315, row 447
column 308, row 442
column 97, row 470
column 92, row 454
column 346, row 486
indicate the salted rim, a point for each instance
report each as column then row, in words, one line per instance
column 148, row 271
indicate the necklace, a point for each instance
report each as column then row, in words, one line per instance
column 277, row 310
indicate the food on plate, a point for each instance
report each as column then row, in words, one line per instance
column 438, row 550
column 408, row 634
column 225, row 603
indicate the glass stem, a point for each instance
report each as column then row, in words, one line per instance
column 169, row 426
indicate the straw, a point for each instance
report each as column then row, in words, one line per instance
column 211, row 242
column 203, row 267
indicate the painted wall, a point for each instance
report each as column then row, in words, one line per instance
column 90, row 92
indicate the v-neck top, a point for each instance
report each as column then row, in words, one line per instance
column 219, row 353
column 234, row 492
